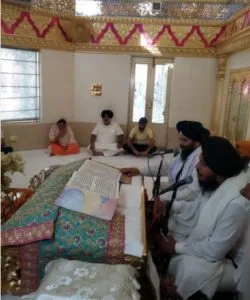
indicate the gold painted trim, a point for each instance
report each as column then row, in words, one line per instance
column 152, row 21
column 247, row 69
column 235, row 43
column 35, row 43
column 238, row 41
column 238, row 14
column 170, row 52
column 220, row 80
column 238, row 76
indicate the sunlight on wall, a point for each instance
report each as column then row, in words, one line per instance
column 145, row 44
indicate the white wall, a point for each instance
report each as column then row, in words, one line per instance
column 58, row 82
column 193, row 90
column 113, row 72
column 67, row 77
column 236, row 61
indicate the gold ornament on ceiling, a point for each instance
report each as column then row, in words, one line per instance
column 79, row 30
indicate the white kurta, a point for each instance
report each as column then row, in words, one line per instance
column 222, row 222
column 107, row 134
column 171, row 169
column 106, row 138
column 183, row 215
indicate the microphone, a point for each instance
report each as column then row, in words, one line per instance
column 176, row 185
column 167, row 151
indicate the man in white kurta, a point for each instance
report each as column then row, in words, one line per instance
column 182, row 220
column 107, row 136
column 199, row 263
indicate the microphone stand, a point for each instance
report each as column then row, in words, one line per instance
column 165, row 259
column 157, row 182
column 155, row 192
column 167, row 213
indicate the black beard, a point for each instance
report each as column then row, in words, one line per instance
column 208, row 186
column 185, row 153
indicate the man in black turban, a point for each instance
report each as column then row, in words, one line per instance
column 219, row 161
column 191, row 134
column 201, row 262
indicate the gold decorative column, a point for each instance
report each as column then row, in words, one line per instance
column 220, row 79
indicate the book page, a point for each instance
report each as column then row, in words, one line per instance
column 97, row 178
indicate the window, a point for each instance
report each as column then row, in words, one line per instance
column 20, row 97
column 150, row 90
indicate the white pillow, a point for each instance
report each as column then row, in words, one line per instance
column 76, row 280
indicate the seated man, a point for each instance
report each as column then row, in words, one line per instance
column 62, row 139
column 191, row 134
column 199, row 266
column 5, row 149
column 141, row 139
column 107, row 136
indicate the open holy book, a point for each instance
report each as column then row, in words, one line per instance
column 92, row 190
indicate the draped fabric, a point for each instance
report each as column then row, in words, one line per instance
column 43, row 232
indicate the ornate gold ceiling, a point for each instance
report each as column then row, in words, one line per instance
column 170, row 9
column 56, row 28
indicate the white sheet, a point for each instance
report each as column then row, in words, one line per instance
column 130, row 206
column 36, row 160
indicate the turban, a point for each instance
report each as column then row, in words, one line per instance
column 143, row 121
column 221, row 157
column 193, row 130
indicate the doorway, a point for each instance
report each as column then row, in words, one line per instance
column 150, row 95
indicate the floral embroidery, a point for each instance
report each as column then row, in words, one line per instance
column 92, row 275
column 112, row 282
column 90, row 230
column 52, row 286
column 76, row 239
column 86, row 238
column 102, row 242
column 63, row 280
column 82, row 272
column 30, row 212
column 67, row 227
column 47, row 213
column 114, row 288
column 85, row 292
